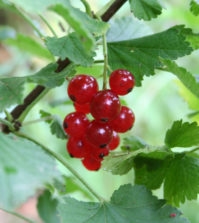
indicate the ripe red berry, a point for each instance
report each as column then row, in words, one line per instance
column 85, row 108
column 75, row 124
column 115, row 141
column 99, row 134
column 105, row 105
column 91, row 163
column 81, row 88
column 76, row 147
column 121, row 81
column 124, row 121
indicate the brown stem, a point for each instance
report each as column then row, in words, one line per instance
column 18, row 110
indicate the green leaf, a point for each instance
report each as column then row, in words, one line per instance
column 118, row 164
column 126, row 28
column 47, row 208
column 133, row 143
column 11, row 90
column 28, row 44
column 57, row 129
column 84, row 25
column 48, row 77
column 144, row 9
column 186, row 77
column 24, row 168
column 35, row 6
column 142, row 56
column 182, row 179
column 150, row 169
column 182, row 134
column 70, row 47
column 128, row 204
column 55, row 124
column 194, row 7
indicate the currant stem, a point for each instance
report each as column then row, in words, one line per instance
column 87, row 7
column 105, row 61
column 64, row 163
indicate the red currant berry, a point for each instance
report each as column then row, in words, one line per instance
column 124, row 121
column 115, row 141
column 105, row 105
column 91, row 163
column 85, row 108
column 76, row 147
column 121, row 81
column 75, row 124
column 99, row 134
column 81, row 88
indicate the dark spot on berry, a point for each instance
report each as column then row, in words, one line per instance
column 65, row 125
column 103, row 145
column 71, row 155
column 129, row 90
column 104, row 119
column 72, row 97
column 101, row 155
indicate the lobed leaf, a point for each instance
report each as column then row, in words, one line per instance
column 182, row 134
column 128, row 204
column 28, row 44
column 182, row 179
column 144, row 9
column 47, row 208
column 24, row 168
column 70, row 47
column 185, row 77
column 194, row 7
column 11, row 91
column 84, row 25
column 142, row 56
column 48, row 77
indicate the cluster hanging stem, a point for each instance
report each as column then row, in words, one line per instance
column 105, row 62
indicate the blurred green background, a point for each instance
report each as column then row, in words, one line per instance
column 157, row 103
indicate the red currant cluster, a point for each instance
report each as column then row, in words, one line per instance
column 91, row 140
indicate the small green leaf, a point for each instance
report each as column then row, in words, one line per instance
column 48, row 77
column 47, row 208
column 128, row 204
column 194, row 7
column 11, row 91
column 186, row 77
column 133, row 143
column 57, row 129
column 182, row 134
column 144, row 9
column 142, row 56
column 28, row 44
column 118, row 164
column 182, row 179
column 24, row 168
column 70, row 47
column 84, row 25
